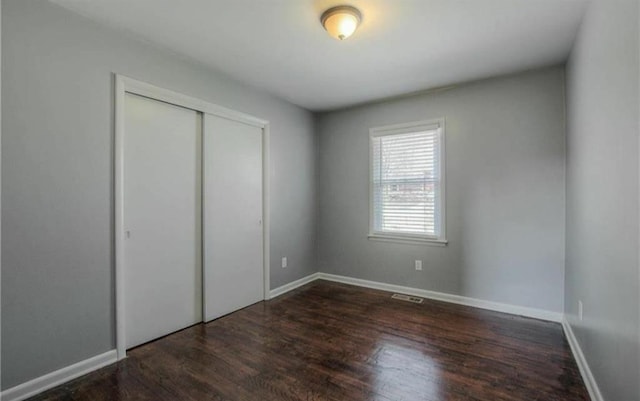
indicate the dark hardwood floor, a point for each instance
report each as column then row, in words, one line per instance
column 330, row 341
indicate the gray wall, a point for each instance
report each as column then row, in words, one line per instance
column 505, row 201
column 602, row 195
column 57, row 208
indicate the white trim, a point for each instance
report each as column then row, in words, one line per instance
column 155, row 92
column 266, row 206
column 58, row 377
column 407, row 127
column 583, row 366
column 441, row 221
column 0, row 183
column 124, row 85
column 119, row 216
column 276, row 292
column 407, row 240
column 440, row 296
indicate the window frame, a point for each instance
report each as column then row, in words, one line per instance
column 406, row 128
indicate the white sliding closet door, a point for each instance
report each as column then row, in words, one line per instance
column 232, row 206
column 162, row 218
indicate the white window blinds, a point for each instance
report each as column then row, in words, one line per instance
column 406, row 181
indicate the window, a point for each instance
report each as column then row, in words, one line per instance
column 407, row 182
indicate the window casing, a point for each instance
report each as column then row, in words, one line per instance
column 407, row 185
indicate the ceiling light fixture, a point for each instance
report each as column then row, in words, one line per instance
column 341, row 21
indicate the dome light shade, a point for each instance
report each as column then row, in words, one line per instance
column 341, row 22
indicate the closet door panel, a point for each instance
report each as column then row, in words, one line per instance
column 162, row 216
column 232, row 208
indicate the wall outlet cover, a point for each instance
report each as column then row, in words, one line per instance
column 580, row 310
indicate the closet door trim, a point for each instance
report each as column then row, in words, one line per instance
column 125, row 85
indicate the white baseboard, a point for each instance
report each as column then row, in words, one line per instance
column 292, row 285
column 585, row 371
column 440, row 296
column 53, row 379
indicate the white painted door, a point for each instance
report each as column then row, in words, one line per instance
column 232, row 206
column 162, row 219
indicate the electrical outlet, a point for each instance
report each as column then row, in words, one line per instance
column 580, row 310
column 284, row 262
column 419, row 265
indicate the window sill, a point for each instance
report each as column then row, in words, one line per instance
column 407, row 240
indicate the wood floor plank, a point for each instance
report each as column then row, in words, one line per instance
column 334, row 342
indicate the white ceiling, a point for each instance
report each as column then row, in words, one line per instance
column 402, row 46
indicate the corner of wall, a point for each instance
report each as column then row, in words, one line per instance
column 317, row 122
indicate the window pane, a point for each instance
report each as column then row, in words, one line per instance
column 406, row 183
